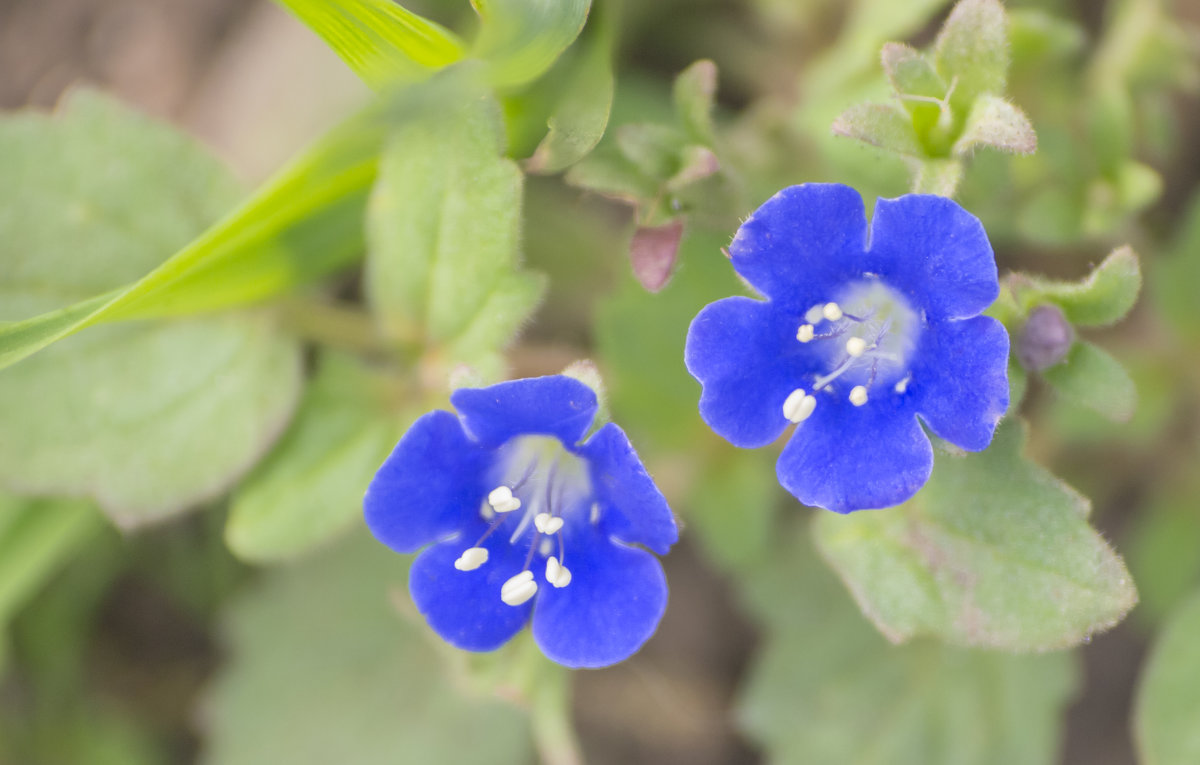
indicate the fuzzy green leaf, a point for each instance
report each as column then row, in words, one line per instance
column 1168, row 699
column 996, row 123
column 910, row 73
column 1090, row 376
column 971, row 51
column 994, row 552
column 694, row 91
column 522, row 38
column 880, row 125
column 1103, row 298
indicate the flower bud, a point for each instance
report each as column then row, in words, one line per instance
column 1045, row 338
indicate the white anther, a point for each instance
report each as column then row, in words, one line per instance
column 547, row 523
column 471, row 559
column 832, row 311
column 556, row 573
column 502, row 500
column 815, row 314
column 799, row 406
column 805, row 333
column 858, row 395
column 594, row 516
column 901, row 386
column 519, row 588
column 856, row 346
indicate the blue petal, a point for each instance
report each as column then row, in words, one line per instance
column 634, row 510
column 960, row 380
column 803, row 243
column 846, row 458
column 745, row 354
column 936, row 253
column 613, row 604
column 429, row 485
column 554, row 406
column 464, row 607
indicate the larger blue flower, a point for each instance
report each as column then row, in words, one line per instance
column 522, row 519
column 862, row 332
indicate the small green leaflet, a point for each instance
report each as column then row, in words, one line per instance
column 521, row 38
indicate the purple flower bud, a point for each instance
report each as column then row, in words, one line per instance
column 1045, row 338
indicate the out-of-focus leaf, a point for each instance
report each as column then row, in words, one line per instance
column 1090, row 376
column 382, row 41
column 827, row 688
column 1162, row 549
column 35, row 536
column 880, row 125
column 694, row 92
column 73, row 181
column 322, row 668
column 1168, row 699
column 522, row 38
column 910, row 73
column 1103, row 298
column 145, row 418
column 311, row 486
column 1175, row 275
column 730, row 507
column 581, row 114
column 993, row 552
column 443, row 229
column 1036, row 34
column 972, row 51
column 996, row 123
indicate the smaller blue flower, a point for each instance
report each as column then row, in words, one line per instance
column 520, row 520
column 863, row 331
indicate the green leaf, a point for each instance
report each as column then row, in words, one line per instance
column 731, row 507
column 310, row 487
column 581, row 114
column 35, row 537
column 993, row 552
column 880, row 125
column 826, row 688
column 971, row 51
column 522, row 38
column 443, row 228
column 996, row 123
column 694, row 91
column 1162, row 541
column 99, row 162
column 322, row 668
column 1168, row 698
column 910, row 73
column 1090, row 376
column 380, row 40
column 1103, row 298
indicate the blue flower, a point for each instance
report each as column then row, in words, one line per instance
column 861, row 333
column 520, row 519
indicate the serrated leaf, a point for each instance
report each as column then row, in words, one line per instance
column 880, row 125
column 1090, row 376
column 971, row 51
column 993, row 552
column 996, row 123
column 1104, row 297
column 322, row 668
column 35, row 536
column 581, row 114
column 382, row 41
column 694, row 92
column 1168, row 698
column 443, row 231
column 522, row 38
column 827, row 688
column 304, row 223
column 310, row 487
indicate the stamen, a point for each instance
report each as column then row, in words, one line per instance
column 858, row 395
column 856, row 346
column 902, row 386
column 594, row 517
column 502, row 500
column 556, row 573
column 799, row 406
column 519, row 589
column 832, row 311
column 471, row 559
column 805, row 333
column 547, row 524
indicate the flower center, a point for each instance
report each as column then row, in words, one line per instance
column 550, row 486
column 864, row 340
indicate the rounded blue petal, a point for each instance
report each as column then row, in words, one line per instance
column 464, row 607
column 428, row 487
column 613, row 604
column 847, row 458
column 936, row 253
column 745, row 354
column 802, row 243
column 960, row 380
column 553, row 406
column 633, row 509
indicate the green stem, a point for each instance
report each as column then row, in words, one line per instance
column 550, row 717
column 337, row 326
